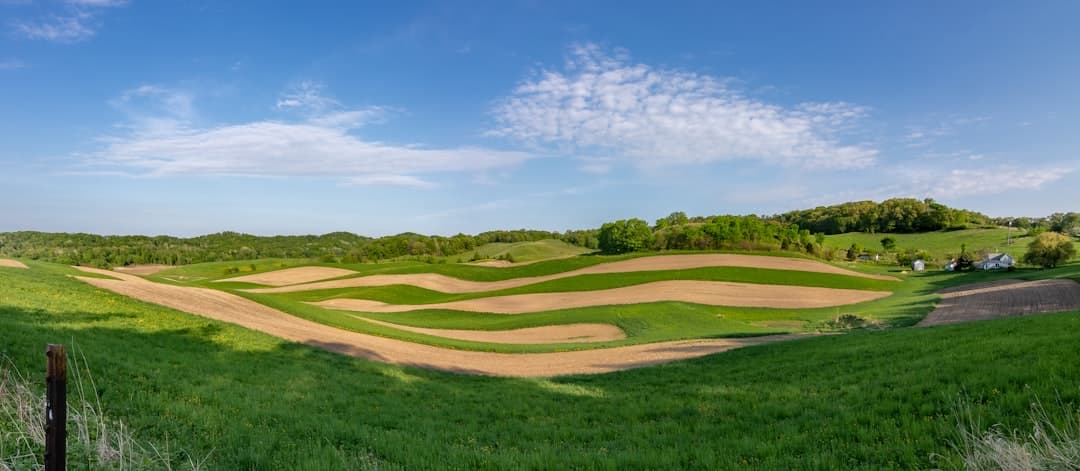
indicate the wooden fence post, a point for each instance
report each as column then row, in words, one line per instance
column 56, row 409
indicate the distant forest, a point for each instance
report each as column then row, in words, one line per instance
column 795, row 231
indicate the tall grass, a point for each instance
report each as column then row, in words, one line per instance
column 94, row 440
column 1052, row 444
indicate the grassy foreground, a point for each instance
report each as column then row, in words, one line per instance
column 868, row 400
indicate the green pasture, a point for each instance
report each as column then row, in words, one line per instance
column 871, row 399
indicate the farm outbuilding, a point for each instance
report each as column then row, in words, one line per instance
column 996, row 261
column 918, row 265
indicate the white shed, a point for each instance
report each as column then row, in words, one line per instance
column 918, row 265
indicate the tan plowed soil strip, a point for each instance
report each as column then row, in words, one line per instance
column 291, row 276
column 12, row 263
column 246, row 313
column 1004, row 298
column 148, row 269
column 716, row 293
column 448, row 284
column 568, row 333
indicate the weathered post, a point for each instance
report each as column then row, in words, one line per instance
column 56, row 409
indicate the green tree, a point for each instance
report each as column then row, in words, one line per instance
column 888, row 243
column 624, row 236
column 1050, row 249
column 853, row 251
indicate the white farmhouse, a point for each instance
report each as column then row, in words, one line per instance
column 996, row 261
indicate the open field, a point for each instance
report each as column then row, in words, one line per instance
column 981, row 301
column 502, row 254
column 713, row 293
column 942, row 243
column 868, row 400
column 143, row 270
column 291, row 276
column 4, row 262
column 567, row 333
column 447, row 284
column 226, row 307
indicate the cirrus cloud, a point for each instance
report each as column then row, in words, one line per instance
column 659, row 117
column 322, row 145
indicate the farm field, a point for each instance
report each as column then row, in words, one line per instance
column 942, row 243
column 859, row 400
column 501, row 254
column 645, row 297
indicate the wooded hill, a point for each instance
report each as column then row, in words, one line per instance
column 797, row 231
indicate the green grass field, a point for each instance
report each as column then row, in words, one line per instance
column 519, row 252
column 940, row 244
column 911, row 300
column 644, row 323
column 876, row 399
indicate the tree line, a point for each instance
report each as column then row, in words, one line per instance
column 724, row 232
column 119, row 250
column 796, row 231
column 902, row 215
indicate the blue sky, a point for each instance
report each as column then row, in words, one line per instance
column 194, row 117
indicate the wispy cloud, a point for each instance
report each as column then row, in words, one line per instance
column 78, row 23
column 98, row 3
column 392, row 180
column 71, row 28
column 957, row 182
column 12, row 64
column 602, row 103
column 168, row 142
column 922, row 135
column 308, row 96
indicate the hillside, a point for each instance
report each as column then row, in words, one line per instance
column 872, row 400
column 939, row 243
column 520, row 252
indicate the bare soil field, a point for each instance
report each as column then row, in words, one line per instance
column 4, row 262
column 448, row 284
column 142, row 270
column 981, row 301
column 230, row 308
column 290, row 276
column 567, row 333
column 715, row 293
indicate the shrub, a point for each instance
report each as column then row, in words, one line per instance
column 1050, row 249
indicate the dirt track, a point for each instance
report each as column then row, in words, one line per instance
column 291, row 276
column 246, row 313
column 566, row 333
column 981, row 301
column 12, row 263
column 446, row 284
column 716, row 293
column 147, row 269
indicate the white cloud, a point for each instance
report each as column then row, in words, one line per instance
column 168, row 143
column 959, row 182
column 147, row 100
column 392, row 180
column 98, row 3
column 597, row 165
column 71, row 28
column 307, row 96
column 659, row 117
column 79, row 23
